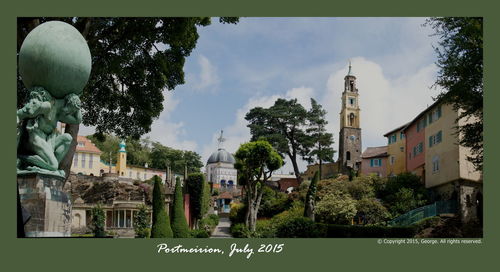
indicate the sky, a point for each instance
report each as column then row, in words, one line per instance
column 237, row 67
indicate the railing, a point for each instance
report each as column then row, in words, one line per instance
column 413, row 216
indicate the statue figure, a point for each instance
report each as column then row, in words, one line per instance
column 45, row 146
column 54, row 64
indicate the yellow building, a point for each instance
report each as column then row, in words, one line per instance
column 445, row 159
column 87, row 161
column 396, row 142
column 87, row 158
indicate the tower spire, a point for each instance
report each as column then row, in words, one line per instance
column 349, row 73
column 220, row 140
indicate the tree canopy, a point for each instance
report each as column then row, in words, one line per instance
column 460, row 62
column 282, row 125
column 140, row 152
column 255, row 162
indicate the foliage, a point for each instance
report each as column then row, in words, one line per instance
column 321, row 141
column 336, row 208
column 98, row 221
column 272, row 203
column 199, row 233
column 140, row 152
column 255, row 162
column 403, row 193
column 311, row 197
column 141, row 222
column 371, row 211
column 460, row 62
column 209, row 223
column 179, row 224
column 299, row 227
column 161, row 221
column 425, row 223
column 239, row 230
column 237, row 213
column 354, row 231
column 199, row 195
column 282, row 125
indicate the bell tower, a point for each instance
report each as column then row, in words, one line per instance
column 350, row 129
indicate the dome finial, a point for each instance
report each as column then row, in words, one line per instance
column 220, row 139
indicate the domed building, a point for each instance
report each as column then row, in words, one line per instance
column 220, row 169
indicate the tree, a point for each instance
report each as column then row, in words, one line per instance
column 134, row 61
column 371, row 210
column 311, row 197
column 97, row 223
column 255, row 162
column 196, row 185
column 403, row 193
column 460, row 62
column 322, row 141
column 179, row 224
column 282, row 125
column 141, row 222
column 161, row 221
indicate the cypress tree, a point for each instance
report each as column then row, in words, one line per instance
column 310, row 197
column 179, row 224
column 161, row 221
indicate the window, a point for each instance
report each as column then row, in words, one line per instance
column 435, row 139
column 81, row 144
column 422, row 123
column 418, row 149
column 352, row 101
column 392, row 138
column 75, row 160
column 348, row 155
column 375, row 162
column 435, row 164
column 91, row 161
column 401, row 135
column 83, row 160
column 393, row 160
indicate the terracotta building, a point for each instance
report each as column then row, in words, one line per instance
column 374, row 161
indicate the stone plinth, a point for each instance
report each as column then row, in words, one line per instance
column 49, row 206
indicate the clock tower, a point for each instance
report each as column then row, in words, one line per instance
column 350, row 130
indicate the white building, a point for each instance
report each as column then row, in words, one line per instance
column 220, row 169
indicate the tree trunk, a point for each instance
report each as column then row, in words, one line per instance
column 296, row 171
column 68, row 159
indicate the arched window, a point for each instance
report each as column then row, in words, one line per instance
column 348, row 155
column 351, row 119
column 223, row 183
column 230, row 183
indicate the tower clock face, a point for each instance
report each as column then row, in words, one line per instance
column 352, row 137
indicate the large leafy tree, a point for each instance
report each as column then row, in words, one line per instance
column 321, row 141
column 282, row 125
column 460, row 62
column 255, row 162
column 134, row 60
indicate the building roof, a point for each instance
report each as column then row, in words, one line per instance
column 85, row 145
column 225, row 195
column 373, row 152
column 397, row 129
column 221, row 155
column 421, row 114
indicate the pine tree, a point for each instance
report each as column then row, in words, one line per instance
column 179, row 224
column 161, row 221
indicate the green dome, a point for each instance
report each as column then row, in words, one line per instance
column 55, row 56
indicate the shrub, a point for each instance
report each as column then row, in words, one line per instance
column 272, row 203
column 300, row 227
column 426, row 223
column 179, row 224
column 161, row 221
column 336, row 208
column 141, row 222
column 353, row 231
column 199, row 233
column 98, row 219
column 239, row 231
column 371, row 211
column 237, row 213
column 209, row 223
column 264, row 229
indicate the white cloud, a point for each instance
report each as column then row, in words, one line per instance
column 167, row 132
column 207, row 77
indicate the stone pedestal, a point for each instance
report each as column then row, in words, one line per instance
column 49, row 206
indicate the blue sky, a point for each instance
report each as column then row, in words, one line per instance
column 237, row 67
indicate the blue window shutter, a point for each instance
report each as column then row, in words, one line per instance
column 379, row 162
column 439, row 136
column 371, row 163
column 430, row 141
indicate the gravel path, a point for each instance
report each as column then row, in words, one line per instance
column 222, row 230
